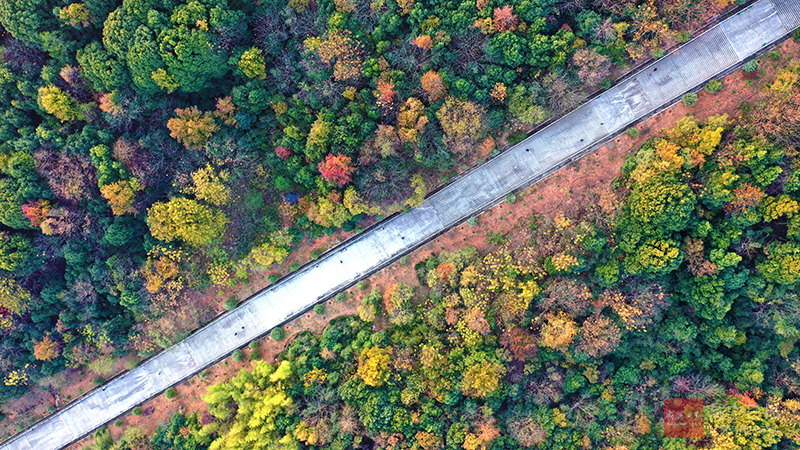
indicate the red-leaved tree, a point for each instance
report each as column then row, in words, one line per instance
column 336, row 169
column 283, row 152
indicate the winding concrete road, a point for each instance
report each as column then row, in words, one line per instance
column 714, row 52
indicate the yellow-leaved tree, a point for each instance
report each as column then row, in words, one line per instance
column 373, row 365
column 482, row 377
column 558, row 331
column 185, row 219
column 209, row 185
column 249, row 405
column 13, row 297
column 461, row 121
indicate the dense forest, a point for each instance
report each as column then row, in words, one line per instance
column 680, row 282
column 152, row 146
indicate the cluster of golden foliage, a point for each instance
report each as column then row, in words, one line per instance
column 340, row 48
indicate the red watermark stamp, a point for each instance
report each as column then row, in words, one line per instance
column 683, row 418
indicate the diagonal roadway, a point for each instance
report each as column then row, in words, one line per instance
column 714, row 52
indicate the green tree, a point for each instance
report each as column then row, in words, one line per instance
column 190, row 58
column 182, row 432
column 12, row 195
column 26, row 19
column 663, row 203
column 101, row 68
column 655, row 257
column 707, row 295
column 508, row 47
column 17, row 254
column 142, row 57
column 185, row 219
column 782, row 265
column 169, row 46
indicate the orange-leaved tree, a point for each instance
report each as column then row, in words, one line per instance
column 433, row 84
column 505, row 19
column 36, row 211
column 46, row 349
column 336, row 168
column 423, row 41
column 385, row 93
column 192, row 128
column 121, row 195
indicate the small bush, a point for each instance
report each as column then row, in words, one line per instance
column 231, row 303
column 713, row 86
column 98, row 381
column 517, row 137
column 497, row 239
column 633, row 132
column 319, row 308
column 137, row 411
column 131, row 364
column 689, row 99
column 658, row 53
column 255, row 354
column 775, row 55
column 252, row 345
column 472, row 221
column 606, row 84
column 102, row 439
column 315, row 253
column 796, row 35
column 362, row 285
column 294, row 266
column 119, row 423
column 273, row 278
column 171, row 393
column 751, row 67
column 511, row 198
column 683, row 36
column 238, row 355
column 205, row 373
column 404, row 260
column 277, row 334
column 341, row 297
